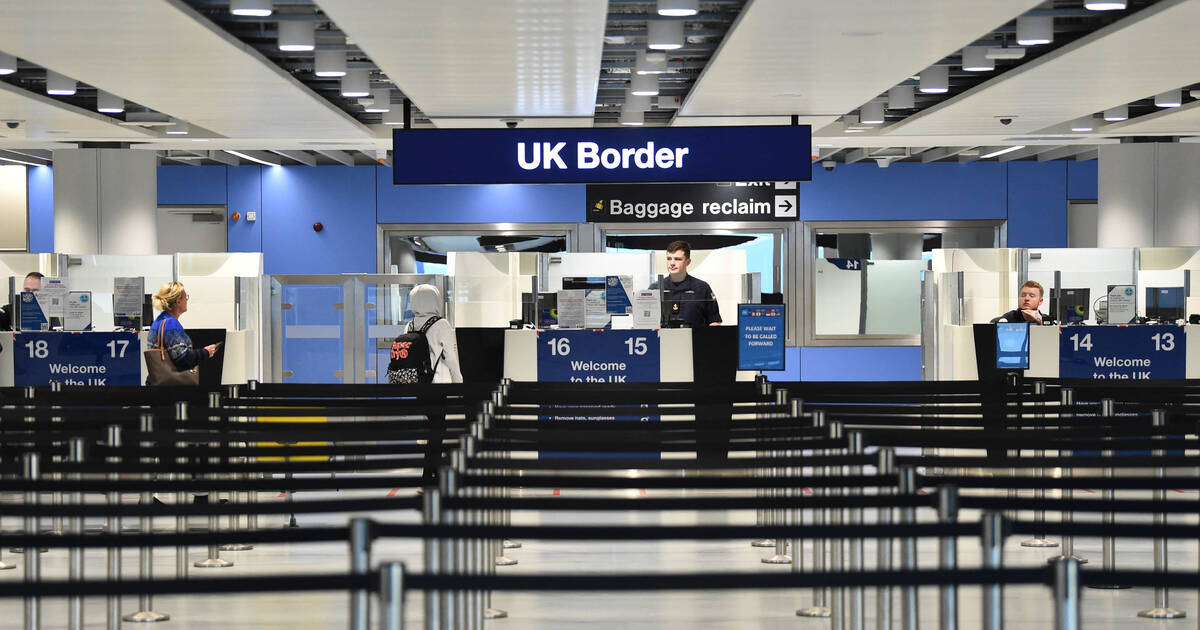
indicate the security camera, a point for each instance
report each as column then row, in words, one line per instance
column 12, row 124
column 829, row 164
column 511, row 123
column 1005, row 121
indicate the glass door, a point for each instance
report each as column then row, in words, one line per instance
column 312, row 331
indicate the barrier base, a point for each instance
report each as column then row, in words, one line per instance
column 236, row 547
column 511, row 544
column 6, row 565
column 1108, row 587
column 22, row 550
column 1079, row 559
column 1039, row 542
column 494, row 613
column 763, row 542
column 778, row 559
column 212, row 563
column 504, row 561
column 146, row 616
column 814, row 611
column 1162, row 613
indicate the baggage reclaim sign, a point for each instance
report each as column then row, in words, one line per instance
column 682, row 203
column 604, row 155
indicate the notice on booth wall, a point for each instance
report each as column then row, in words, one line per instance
column 761, row 336
column 78, row 313
column 53, row 297
column 127, row 302
column 595, row 309
column 647, row 308
column 1122, row 307
column 570, row 308
column 617, row 292
column 32, row 317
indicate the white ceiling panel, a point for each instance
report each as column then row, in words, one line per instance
column 1131, row 59
column 473, row 58
column 472, row 122
column 827, row 58
column 164, row 55
column 44, row 119
column 1174, row 121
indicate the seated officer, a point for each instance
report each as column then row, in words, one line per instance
column 1028, row 301
column 689, row 301
column 32, row 282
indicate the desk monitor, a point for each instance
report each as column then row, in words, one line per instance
column 1072, row 305
column 582, row 282
column 1165, row 304
column 1012, row 346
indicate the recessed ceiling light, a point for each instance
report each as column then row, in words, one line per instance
column 1117, row 114
column 1170, row 98
column 296, row 36
column 1033, row 30
column 250, row 8
column 678, row 8
column 8, row 63
column 1104, row 5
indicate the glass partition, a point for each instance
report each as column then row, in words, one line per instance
column 95, row 273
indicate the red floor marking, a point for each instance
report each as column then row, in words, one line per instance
column 282, row 495
column 1179, row 491
column 642, row 491
column 393, row 491
column 808, row 491
column 1089, row 491
column 556, row 492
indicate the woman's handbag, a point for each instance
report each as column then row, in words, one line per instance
column 162, row 369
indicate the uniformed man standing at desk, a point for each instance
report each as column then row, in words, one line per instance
column 687, row 300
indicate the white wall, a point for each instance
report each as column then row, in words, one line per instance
column 1149, row 195
column 14, row 212
column 105, row 201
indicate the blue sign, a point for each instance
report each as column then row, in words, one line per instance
column 1112, row 352
column 605, row 155
column 761, row 335
column 588, row 356
column 77, row 358
column 32, row 317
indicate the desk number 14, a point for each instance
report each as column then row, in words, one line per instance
column 1085, row 342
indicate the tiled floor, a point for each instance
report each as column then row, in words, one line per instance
column 1026, row 607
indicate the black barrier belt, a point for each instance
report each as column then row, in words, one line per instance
column 202, row 414
column 221, row 509
column 1146, row 506
column 223, row 485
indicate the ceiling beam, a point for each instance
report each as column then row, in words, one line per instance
column 941, row 153
column 1020, row 154
column 222, row 157
column 1063, row 152
column 1090, row 154
column 302, row 157
column 338, row 156
column 7, row 157
column 265, row 158
column 855, row 155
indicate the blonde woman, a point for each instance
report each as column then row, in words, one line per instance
column 172, row 300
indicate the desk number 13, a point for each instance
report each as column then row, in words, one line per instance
column 1164, row 342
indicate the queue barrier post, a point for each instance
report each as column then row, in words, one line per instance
column 233, row 522
column 145, row 612
column 910, row 612
column 837, row 554
column 885, row 465
column 820, row 606
column 112, row 525
column 854, row 441
column 76, row 448
column 1067, row 410
column 1067, row 613
column 994, row 530
column 948, row 558
column 1039, row 540
column 214, row 559
column 491, row 517
column 391, row 596
column 777, row 516
column 431, row 514
column 32, row 469
column 362, row 532
column 1108, row 544
column 181, row 498
column 1162, row 608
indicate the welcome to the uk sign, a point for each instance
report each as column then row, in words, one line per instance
column 606, row 155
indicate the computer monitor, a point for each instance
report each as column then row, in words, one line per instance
column 1072, row 305
column 1165, row 304
column 1012, row 346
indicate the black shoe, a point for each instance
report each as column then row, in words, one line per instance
column 200, row 499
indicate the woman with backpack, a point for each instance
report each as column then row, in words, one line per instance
column 428, row 331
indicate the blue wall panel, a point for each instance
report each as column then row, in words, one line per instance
column 478, row 204
column 245, row 195
column 879, row 363
column 905, row 191
column 1037, row 204
column 1083, row 180
column 40, row 195
column 198, row 185
column 342, row 198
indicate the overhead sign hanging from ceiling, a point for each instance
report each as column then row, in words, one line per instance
column 605, row 155
column 684, row 203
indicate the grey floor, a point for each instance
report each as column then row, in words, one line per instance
column 1025, row 607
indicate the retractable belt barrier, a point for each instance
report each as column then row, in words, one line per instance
column 837, row 441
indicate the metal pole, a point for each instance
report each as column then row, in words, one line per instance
column 214, row 559
column 233, row 522
column 948, row 558
column 820, row 607
column 145, row 612
column 1108, row 545
column 886, row 465
column 1067, row 614
column 113, row 526
column 993, row 558
column 1162, row 608
column 361, row 533
column 431, row 514
column 856, row 600
column 838, row 556
column 75, row 454
column 181, row 498
column 448, row 482
column 31, row 467
column 778, row 516
column 910, row 617
column 1039, row 540
column 391, row 596
column 1067, row 410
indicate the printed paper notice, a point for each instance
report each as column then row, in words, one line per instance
column 78, row 314
column 53, row 297
column 647, row 309
column 127, row 302
column 571, row 308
